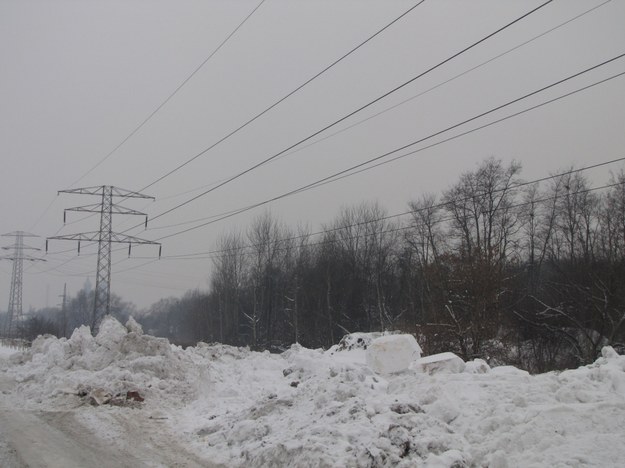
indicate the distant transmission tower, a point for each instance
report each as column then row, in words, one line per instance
column 104, row 237
column 14, row 313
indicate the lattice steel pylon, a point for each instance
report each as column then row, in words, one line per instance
column 104, row 237
column 14, row 312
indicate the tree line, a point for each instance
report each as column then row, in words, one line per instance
column 531, row 274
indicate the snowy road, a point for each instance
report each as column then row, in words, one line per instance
column 59, row 439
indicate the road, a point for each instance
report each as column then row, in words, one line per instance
column 59, row 439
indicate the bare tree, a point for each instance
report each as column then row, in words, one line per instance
column 483, row 223
column 227, row 283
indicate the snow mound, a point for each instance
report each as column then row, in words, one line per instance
column 116, row 361
column 313, row 408
column 439, row 363
column 393, row 353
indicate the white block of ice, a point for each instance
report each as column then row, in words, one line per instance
column 447, row 363
column 392, row 353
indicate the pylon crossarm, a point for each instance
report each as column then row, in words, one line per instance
column 97, row 208
column 124, row 239
column 27, row 258
column 94, row 208
column 115, row 192
column 19, row 233
column 24, row 247
column 83, row 236
column 120, row 192
column 85, row 190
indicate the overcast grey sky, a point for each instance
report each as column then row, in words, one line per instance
column 78, row 76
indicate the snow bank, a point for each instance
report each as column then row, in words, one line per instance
column 329, row 408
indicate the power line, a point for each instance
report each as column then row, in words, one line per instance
column 518, row 46
column 211, row 254
column 344, row 172
column 298, row 88
column 453, row 78
column 336, row 122
column 459, row 135
column 178, row 88
column 279, row 101
column 300, row 148
column 200, row 226
column 434, row 206
column 155, row 111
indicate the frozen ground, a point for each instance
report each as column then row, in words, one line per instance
column 215, row 405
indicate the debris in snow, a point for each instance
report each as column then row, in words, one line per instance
column 405, row 408
column 99, row 396
column 438, row 363
column 393, row 353
column 134, row 396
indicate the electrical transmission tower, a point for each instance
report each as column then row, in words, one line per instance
column 104, row 237
column 14, row 313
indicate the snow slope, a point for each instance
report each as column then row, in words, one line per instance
column 319, row 408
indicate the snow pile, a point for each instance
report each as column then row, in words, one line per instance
column 329, row 408
column 115, row 362
column 314, row 408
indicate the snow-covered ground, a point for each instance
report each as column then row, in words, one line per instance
column 215, row 405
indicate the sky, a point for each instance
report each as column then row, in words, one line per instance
column 79, row 77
